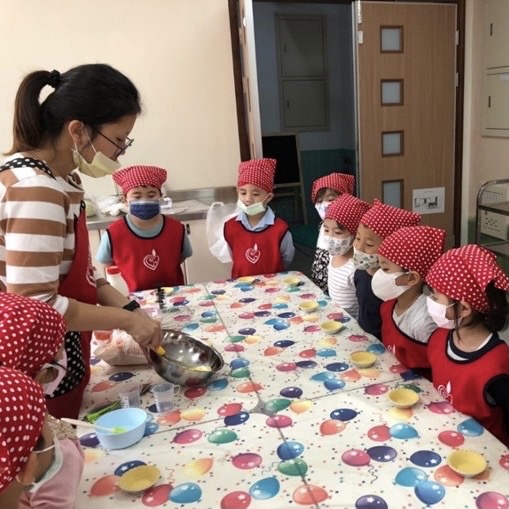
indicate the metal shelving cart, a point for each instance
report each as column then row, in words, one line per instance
column 492, row 217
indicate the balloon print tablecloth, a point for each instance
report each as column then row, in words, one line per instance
column 289, row 422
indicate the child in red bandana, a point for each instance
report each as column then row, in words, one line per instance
column 324, row 191
column 37, row 470
column 147, row 246
column 259, row 242
column 377, row 223
column 340, row 226
column 31, row 342
column 469, row 361
column 405, row 258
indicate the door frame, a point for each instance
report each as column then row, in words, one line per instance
column 460, row 68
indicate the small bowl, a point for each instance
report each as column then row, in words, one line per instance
column 186, row 361
column 246, row 279
column 403, row 397
column 139, row 478
column 467, row 463
column 332, row 326
column 291, row 281
column 363, row 359
column 308, row 306
column 133, row 419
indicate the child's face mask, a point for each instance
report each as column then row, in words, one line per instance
column 363, row 261
column 144, row 209
column 253, row 209
column 53, row 469
column 61, row 368
column 338, row 246
column 384, row 285
column 438, row 312
column 321, row 208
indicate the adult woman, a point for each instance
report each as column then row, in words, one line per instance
column 83, row 123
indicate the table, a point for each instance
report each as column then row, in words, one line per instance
column 289, row 422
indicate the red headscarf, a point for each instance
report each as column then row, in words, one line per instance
column 464, row 273
column 347, row 211
column 339, row 182
column 31, row 333
column 22, row 412
column 414, row 248
column 258, row 172
column 385, row 219
column 139, row 175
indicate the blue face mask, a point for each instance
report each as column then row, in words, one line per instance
column 144, row 209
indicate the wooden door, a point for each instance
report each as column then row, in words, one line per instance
column 406, row 139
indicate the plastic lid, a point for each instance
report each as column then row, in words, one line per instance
column 112, row 270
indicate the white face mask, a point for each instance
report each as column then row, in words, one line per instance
column 384, row 285
column 52, row 470
column 61, row 368
column 251, row 210
column 321, row 208
column 99, row 167
column 363, row 261
column 337, row 246
column 437, row 312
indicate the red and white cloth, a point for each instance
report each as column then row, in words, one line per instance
column 139, row 175
column 339, row 182
column 31, row 333
column 347, row 211
column 258, row 172
column 385, row 219
column 464, row 273
column 22, row 412
column 414, row 248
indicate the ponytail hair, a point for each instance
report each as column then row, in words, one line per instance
column 496, row 318
column 94, row 94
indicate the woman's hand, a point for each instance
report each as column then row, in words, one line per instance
column 144, row 330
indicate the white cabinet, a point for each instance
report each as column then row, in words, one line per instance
column 202, row 266
column 302, row 68
column 496, row 53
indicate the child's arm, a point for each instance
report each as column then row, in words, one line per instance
column 498, row 389
column 287, row 249
column 104, row 251
column 187, row 249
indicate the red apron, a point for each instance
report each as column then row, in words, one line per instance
column 78, row 284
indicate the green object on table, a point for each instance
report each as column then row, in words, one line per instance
column 95, row 414
column 97, row 411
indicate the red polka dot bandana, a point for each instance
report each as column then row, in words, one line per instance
column 258, row 172
column 414, row 248
column 347, row 210
column 136, row 176
column 22, row 412
column 339, row 182
column 464, row 273
column 385, row 219
column 31, row 333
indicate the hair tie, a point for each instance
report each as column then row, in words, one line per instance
column 54, row 78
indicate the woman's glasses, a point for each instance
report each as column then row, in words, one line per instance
column 128, row 142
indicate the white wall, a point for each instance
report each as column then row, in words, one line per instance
column 340, row 70
column 484, row 158
column 177, row 52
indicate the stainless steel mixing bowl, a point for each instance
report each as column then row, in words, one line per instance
column 188, row 361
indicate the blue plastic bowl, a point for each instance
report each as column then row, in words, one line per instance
column 134, row 420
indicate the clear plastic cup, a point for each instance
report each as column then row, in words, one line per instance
column 130, row 396
column 164, row 395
